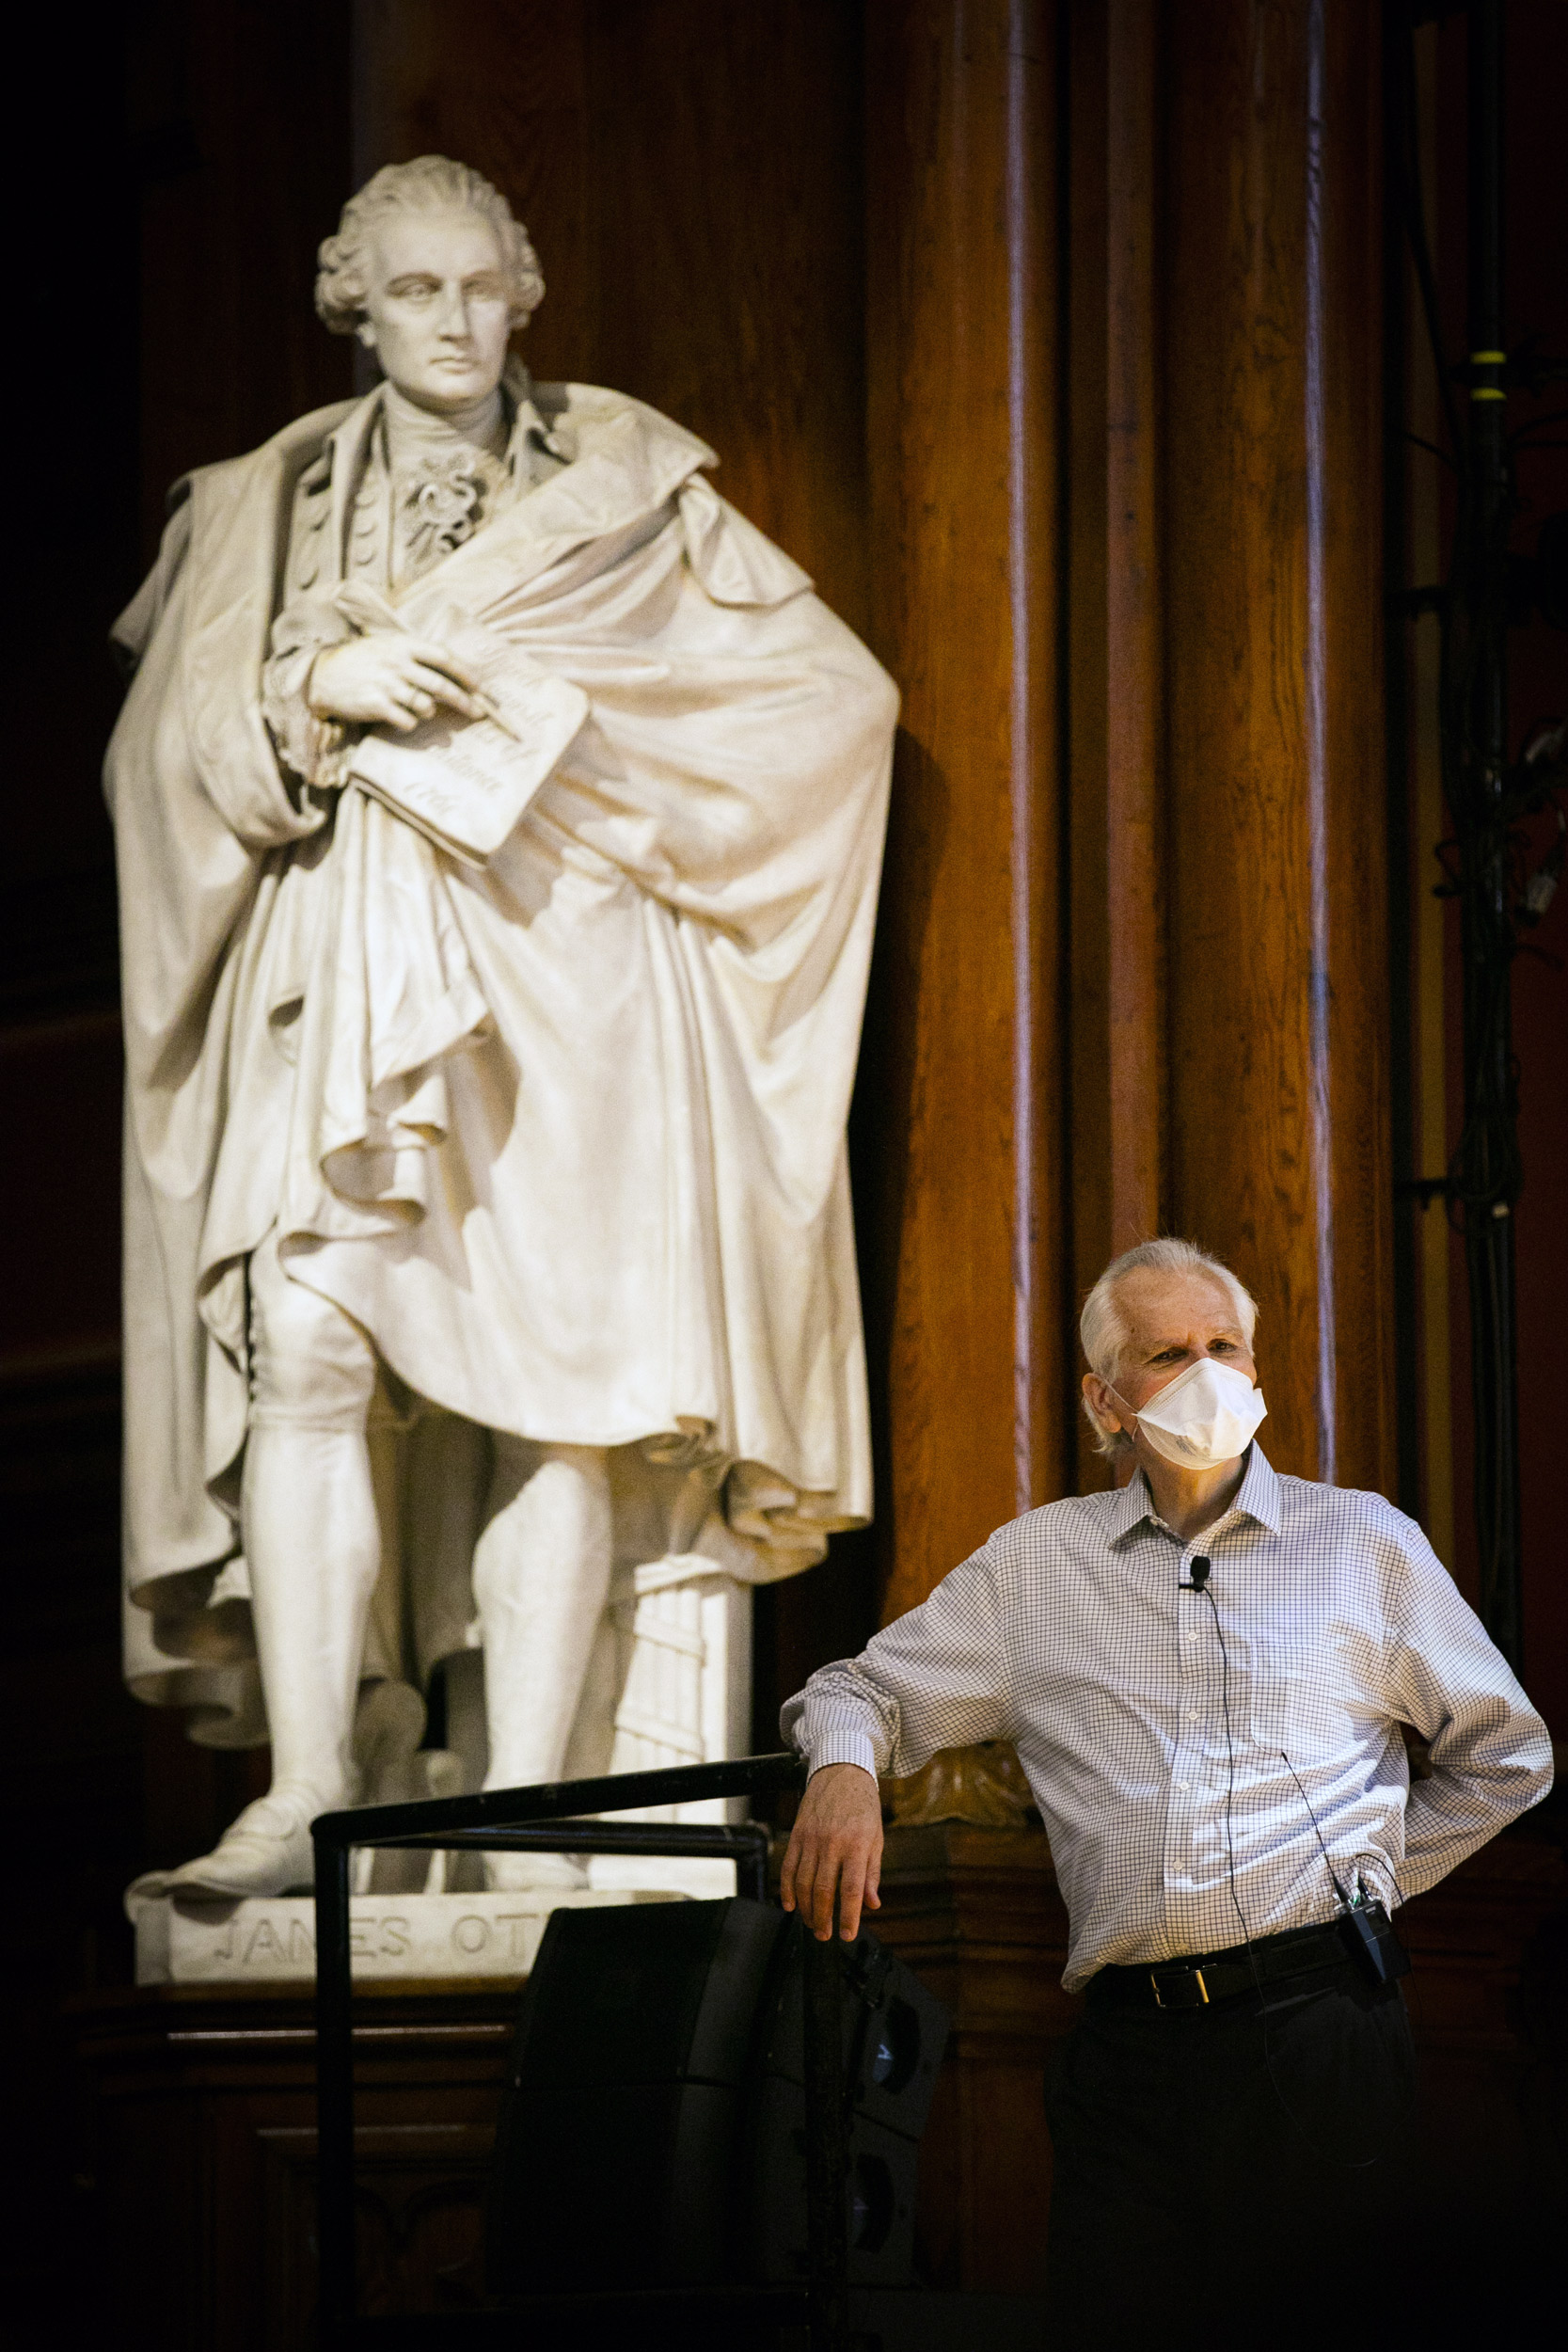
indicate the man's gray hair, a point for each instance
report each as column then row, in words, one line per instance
column 1104, row 1334
column 430, row 184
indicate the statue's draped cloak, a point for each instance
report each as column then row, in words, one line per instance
column 565, row 1134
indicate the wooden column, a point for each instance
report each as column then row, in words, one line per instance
column 1274, row 864
column 1116, row 718
column 963, row 1079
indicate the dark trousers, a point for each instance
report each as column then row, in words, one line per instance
column 1229, row 2175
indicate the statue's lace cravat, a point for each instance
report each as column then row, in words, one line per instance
column 438, row 502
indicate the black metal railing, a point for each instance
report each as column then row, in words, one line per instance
column 550, row 1820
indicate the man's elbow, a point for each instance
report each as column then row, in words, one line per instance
column 1543, row 1775
column 1532, row 1771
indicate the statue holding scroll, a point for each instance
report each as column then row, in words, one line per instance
column 499, row 819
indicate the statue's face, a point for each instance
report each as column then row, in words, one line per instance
column 437, row 314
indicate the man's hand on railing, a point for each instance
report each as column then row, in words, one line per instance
column 835, row 1848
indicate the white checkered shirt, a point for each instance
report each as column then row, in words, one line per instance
column 1068, row 1633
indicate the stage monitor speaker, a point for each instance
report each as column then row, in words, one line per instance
column 653, row 2128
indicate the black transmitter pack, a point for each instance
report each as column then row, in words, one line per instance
column 1368, row 1935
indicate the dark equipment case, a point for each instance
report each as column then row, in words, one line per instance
column 709, row 2129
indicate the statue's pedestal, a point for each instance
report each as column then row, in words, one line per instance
column 409, row 1939
column 685, row 1626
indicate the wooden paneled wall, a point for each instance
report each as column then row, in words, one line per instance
column 1276, row 971
column 1228, row 888
column 1117, row 644
column 967, row 1081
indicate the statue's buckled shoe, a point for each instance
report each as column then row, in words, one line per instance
column 251, row 1858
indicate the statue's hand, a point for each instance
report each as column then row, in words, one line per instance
column 390, row 679
column 835, row 1848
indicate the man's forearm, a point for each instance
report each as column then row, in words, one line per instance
column 934, row 1678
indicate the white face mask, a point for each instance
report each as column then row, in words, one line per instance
column 1202, row 1418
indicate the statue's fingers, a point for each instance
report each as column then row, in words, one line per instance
column 443, row 689
column 441, row 657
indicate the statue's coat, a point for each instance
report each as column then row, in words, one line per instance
column 565, row 1134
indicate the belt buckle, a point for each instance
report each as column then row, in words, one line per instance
column 1160, row 2002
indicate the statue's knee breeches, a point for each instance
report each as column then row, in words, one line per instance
column 311, row 1366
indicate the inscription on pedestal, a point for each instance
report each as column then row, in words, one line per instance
column 272, row 1940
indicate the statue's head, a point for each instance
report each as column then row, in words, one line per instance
column 433, row 274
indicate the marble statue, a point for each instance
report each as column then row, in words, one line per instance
column 499, row 819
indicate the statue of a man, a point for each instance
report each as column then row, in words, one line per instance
column 499, row 819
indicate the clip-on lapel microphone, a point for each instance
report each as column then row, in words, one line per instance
column 1200, row 1576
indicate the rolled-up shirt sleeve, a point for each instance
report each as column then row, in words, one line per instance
column 934, row 1678
column 1491, row 1754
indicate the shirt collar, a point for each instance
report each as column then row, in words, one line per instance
column 1258, row 1497
column 529, row 424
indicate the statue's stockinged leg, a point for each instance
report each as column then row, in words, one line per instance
column 315, row 1547
column 312, row 1546
column 541, row 1582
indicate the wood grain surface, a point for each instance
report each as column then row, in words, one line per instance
column 1276, row 993
column 962, row 339
column 1115, row 716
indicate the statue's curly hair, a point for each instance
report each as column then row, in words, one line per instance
column 430, row 184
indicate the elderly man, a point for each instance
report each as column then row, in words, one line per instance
column 1205, row 1674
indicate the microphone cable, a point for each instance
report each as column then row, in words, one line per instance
column 1361, row 2163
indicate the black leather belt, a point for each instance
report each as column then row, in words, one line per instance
column 1201, row 1979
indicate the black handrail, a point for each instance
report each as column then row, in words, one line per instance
column 502, row 1818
